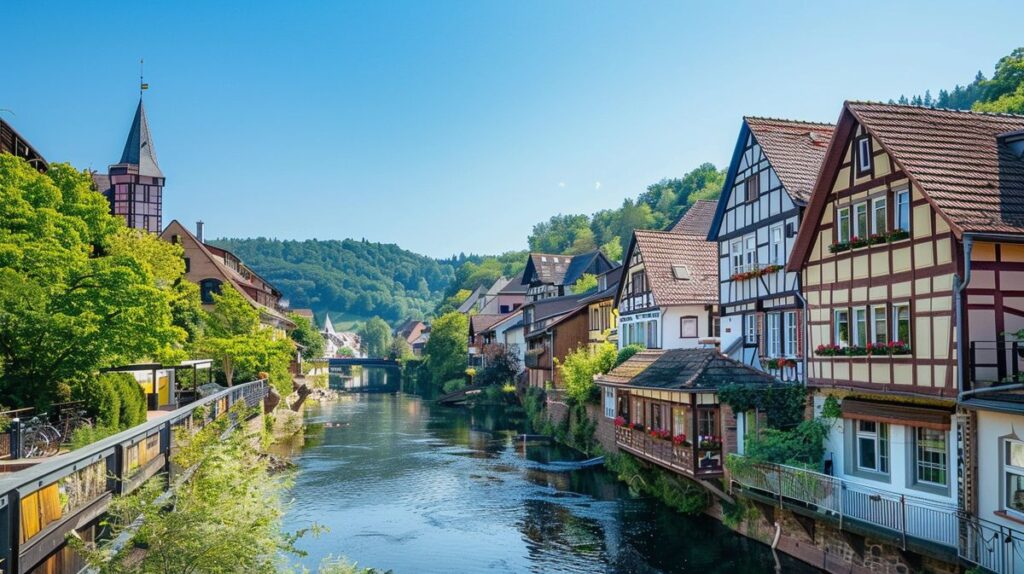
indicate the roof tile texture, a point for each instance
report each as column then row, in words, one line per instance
column 795, row 150
column 661, row 250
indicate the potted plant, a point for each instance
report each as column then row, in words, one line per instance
column 828, row 350
column 877, row 238
column 857, row 241
column 856, row 351
column 620, row 421
column 898, row 234
column 899, row 348
column 839, row 246
column 679, row 440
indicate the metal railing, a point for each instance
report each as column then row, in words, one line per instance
column 40, row 505
column 992, row 546
column 993, row 362
column 843, row 500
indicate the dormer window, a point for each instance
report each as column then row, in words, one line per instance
column 864, row 155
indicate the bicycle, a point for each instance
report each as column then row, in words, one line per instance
column 39, row 438
column 70, row 423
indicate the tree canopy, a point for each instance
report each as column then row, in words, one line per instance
column 78, row 291
column 446, row 350
column 375, row 337
column 1004, row 92
column 305, row 334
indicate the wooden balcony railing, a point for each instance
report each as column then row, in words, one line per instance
column 676, row 457
column 991, row 363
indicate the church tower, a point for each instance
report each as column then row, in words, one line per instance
column 135, row 184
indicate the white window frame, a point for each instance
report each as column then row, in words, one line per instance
column 944, row 467
column 840, row 214
column 736, row 254
column 773, row 335
column 689, row 320
column 750, row 252
column 879, row 204
column 1008, row 470
column 609, row 405
column 896, row 322
column 859, row 327
column 858, row 210
column 880, row 436
column 776, row 245
column 878, row 312
column 902, row 205
column 750, row 329
column 791, row 336
column 864, row 158
column 835, row 331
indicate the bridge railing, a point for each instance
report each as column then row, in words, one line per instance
column 40, row 505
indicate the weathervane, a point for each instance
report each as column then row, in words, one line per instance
column 142, row 85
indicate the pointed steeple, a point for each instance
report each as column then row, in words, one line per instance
column 138, row 150
column 328, row 326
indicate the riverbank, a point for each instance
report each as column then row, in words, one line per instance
column 405, row 485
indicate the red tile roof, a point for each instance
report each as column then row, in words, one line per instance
column 662, row 250
column 697, row 219
column 956, row 159
column 795, row 149
column 480, row 323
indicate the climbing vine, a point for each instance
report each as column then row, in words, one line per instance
column 782, row 404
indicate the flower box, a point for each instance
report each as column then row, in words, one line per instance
column 620, row 421
column 839, row 246
column 680, row 440
column 828, row 350
column 877, row 238
column 898, row 235
column 662, row 434
column 779, row 363
column 857, row 242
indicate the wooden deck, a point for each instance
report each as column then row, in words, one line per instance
column 678, row 458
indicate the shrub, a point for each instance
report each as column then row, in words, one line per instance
column 453, row 385
column 86, row 435
column 626, row 352
column 115, row 400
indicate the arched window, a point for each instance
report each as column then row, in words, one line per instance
column 207, row 287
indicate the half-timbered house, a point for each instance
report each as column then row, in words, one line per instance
column 768, row 183
column 668, row 293
column 548, row 275
column 880, row 256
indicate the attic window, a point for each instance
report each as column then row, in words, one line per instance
column 681, row 272
column 863, row 155
column 544, row 259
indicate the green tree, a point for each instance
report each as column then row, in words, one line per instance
column 241, row 346
column 400, row 349
column 613, row 249
column 307, row 337
column 375, row 338
column 579, row 367
column 446, row 351
column 77, row 290
column 586, row 282
column 559, row 234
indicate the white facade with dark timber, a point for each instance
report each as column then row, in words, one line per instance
column 769, row 180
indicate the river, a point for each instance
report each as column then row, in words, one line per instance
column 405, row 485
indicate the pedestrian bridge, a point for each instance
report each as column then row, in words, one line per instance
column 362, row 362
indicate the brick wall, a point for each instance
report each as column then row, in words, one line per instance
column 605, row 430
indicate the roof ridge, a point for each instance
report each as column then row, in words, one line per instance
column 789, row 121
column 938, row 109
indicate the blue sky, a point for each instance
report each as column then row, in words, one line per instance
column 455, row 126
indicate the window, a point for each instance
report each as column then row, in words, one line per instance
column 752, row 188
column 681, row 421
column 716, row 326
column 639, row 282
column 655, row 420
column 737, row 256
column 188, row 264
column 707, row 422
column 842, row 328
column 776, row 252
column 652, row 335
column 773, row 343
column 879, row 325
column 843, row 225
column 207, row 287
column 863, row 155
column 687, row 327
column 750, row 252
column 860, row 327
column 609, row 402
column 879, row 215
column 902, row 219
column 750, row 328
column 872, row 446
column 860, row 220
column 930, row 465
column 901, row 322
column 791, row 331
column 1013, row 475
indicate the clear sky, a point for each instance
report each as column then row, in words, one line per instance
column 455, row 126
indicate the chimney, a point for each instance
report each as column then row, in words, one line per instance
column 199, row 232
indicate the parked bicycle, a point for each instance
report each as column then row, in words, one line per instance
column 70, row 422
column 39, row 437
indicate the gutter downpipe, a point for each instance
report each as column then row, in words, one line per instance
column 806, row 329
column 960, row 286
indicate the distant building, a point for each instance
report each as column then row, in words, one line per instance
column 11, row 142
column 504, row 296
column 211, row 267
column 549, row 275
column 134, row 185
column 411, row 331
column 335, row 341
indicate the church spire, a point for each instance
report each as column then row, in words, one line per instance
column 138, row 149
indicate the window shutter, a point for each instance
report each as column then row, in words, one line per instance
column 760, row 334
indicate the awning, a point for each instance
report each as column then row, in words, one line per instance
column 936, row 419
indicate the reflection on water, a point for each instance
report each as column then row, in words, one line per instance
column 415, row 488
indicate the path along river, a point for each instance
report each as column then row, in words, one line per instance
column 406, row 485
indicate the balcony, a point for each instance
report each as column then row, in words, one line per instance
column 993, row 363
column 855, row 507
column 535, row 358
column 679, row 458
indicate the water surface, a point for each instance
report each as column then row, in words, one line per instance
column 405, row 485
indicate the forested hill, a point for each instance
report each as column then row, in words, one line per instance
column 357, row 278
